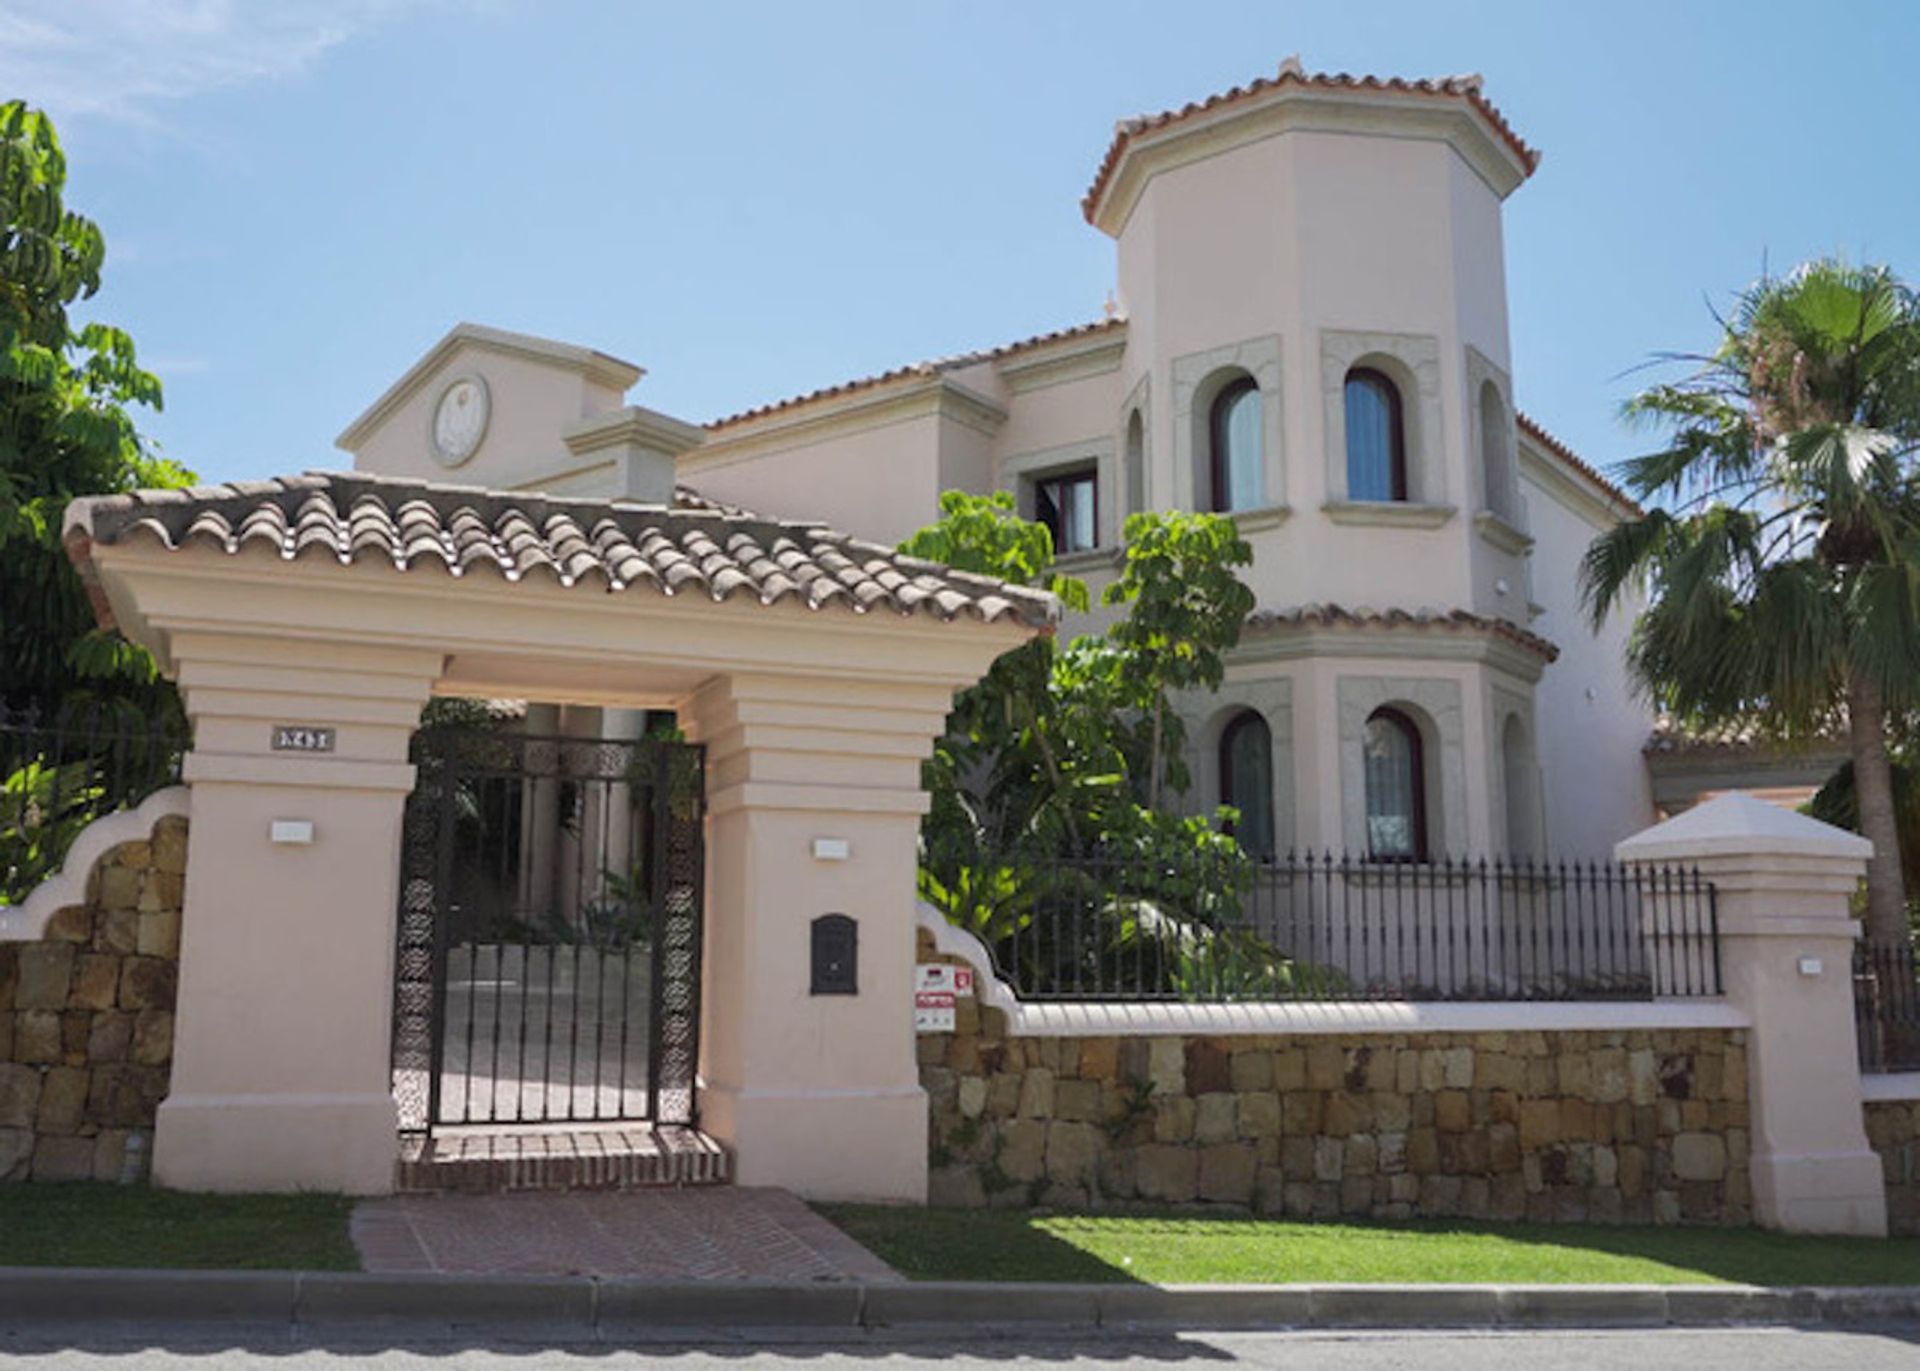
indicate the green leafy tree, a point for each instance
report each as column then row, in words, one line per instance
column 66, row 430
column 1782, row 562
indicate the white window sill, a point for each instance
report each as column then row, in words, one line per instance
column 1502, row 534
column 1260, row 517
column 1088, row 559
column 1387, row 513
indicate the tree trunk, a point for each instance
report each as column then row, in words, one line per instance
column 1873, row 791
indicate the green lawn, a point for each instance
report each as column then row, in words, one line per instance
column 112, row 1225
column 945, row 1244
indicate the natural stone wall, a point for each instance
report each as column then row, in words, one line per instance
column 1606, row 1127
column 86, row 1020
column 1893, row 1127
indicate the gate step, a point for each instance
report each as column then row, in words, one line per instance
column 576, row 1159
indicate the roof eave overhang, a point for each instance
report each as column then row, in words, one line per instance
column 1449, row 118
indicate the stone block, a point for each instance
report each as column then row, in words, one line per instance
column 1507, row 1197
column 1457, row 1068
column 16, row 1153
column 119, row 888
column 1433, row 1070
column 1326, row 1066
column 1464, row 1154
column 69, row 924
column 1208, row 1069
column 63, row 1159
column 1167, row 1066
column 1073, row 1152
column 36, row 1036
column 119, row 932
column 1076, row 1101
column 153, row 1037
column 1167, row 1172
column 148, row 983
column 1302, row 1111
column 1392, row 1113
column 1259, row 1115
column 9, row 975
column 1503, row 1148
column 1452, row 1112
column 1036, row 1094
column 1539, row 1124
column 1003, row 1094
column 1226, row 1173
column 1099, row 1059
column 170, row 845
column 95, row 981
column 1173, row 1118
column 1346, row 1113
column 1423, row 1151
column 1699, row 1157
column 1290, row 1069
column 19, row 1095
column 1576, row 1120
column 1363, row 1155
column 1023, row 1149
column 1296, row 1158
column 1643, row 1077
column 1440, row 1195
column 1216, row 1118
column 46, row 971
column 1391, row 1152
column 970, row 1096
column 1251, row 1071
column 1575, row 1074
column 1329, row 1159
column 158, row 934
column 63, row 1100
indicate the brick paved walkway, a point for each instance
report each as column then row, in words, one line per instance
column 716, row 1233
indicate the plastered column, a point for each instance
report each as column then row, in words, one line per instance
column 1782, row 885
column 282, row 1074
column 817, row 1093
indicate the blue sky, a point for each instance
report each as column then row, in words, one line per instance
column 753, row 200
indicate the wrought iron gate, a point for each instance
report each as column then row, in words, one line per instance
column 548, row 968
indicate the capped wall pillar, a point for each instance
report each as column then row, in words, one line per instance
column 282, row 1078
column 814, row 806
column 1782, row 887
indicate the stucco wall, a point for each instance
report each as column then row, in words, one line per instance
column 86, row 1020
column 1590, row 726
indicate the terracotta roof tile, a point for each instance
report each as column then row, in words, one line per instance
column 1451, row 620
column 1447, row 87
column 698, row 546
column 932, row 367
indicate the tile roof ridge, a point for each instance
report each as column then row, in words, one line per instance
column 1539, row 433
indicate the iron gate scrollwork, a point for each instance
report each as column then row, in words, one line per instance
column 548, row 963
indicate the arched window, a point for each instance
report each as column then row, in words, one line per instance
column 1246, row 780
column 1376, row 438
column 1396, row 783
column 1495, row 461
column 1135, row 497
column 1234, row 453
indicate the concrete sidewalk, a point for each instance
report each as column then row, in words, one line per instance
column 583, row 1308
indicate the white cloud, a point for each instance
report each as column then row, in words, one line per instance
column 121, row 59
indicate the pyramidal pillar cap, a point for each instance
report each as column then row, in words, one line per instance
column 1741, row 824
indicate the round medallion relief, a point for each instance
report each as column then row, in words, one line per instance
column 460, row 420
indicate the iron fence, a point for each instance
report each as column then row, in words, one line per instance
column 59, row 773
column 1341, row 928
column 1886, row 1006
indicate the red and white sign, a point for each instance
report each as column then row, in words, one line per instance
column 937, row 989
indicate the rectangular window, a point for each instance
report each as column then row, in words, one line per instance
column 1068, row 504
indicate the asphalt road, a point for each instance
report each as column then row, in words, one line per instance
column 136, row 1349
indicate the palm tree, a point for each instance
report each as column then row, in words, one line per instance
column 1780, row 554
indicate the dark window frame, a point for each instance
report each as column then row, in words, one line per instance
column 1219, row 496
column 1417, row 780
column 1373, row 377
column 1051, row 481
column 1242, row 719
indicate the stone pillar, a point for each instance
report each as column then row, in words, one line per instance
column 1782, row 885
column 282, row 1077
column 818, row 1093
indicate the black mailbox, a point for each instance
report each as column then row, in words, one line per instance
column 836, row 955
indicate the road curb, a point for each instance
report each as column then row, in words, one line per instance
column 564, row 1308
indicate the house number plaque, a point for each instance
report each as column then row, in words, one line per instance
column 301, row 738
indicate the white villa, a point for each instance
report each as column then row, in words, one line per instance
column 1308, row 330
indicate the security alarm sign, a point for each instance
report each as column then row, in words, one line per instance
column 937, row 988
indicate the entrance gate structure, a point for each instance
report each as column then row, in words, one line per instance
column 548, row 960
